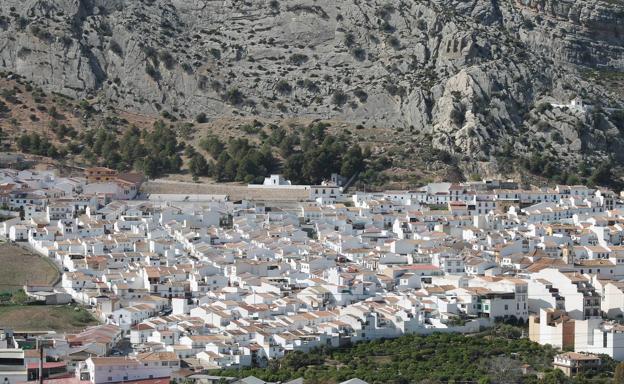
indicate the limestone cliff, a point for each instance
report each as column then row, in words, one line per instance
column 473, row 76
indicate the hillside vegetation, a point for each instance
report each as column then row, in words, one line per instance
column 440, row 358
column 59, row 318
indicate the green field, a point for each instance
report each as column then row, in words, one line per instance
column 60, row 318
column 20, row 267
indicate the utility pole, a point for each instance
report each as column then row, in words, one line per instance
column 40, row 348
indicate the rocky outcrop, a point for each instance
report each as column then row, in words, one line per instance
column 469, row 74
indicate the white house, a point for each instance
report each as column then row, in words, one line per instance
column 596, row 336
column 12, row 366
column 275, row 180
column 151, row 365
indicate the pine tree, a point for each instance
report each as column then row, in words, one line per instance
column 198, row 166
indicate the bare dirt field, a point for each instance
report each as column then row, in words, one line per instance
column 19, row 266
column 232, row 190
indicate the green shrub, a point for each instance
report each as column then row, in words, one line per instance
column 339, row 98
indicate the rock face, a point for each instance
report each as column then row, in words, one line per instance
column 473, row 75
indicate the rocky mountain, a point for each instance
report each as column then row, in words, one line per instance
column 474, row 78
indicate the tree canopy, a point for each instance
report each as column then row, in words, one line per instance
column 438, row 358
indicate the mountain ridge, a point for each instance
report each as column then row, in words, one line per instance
column 475, row 79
